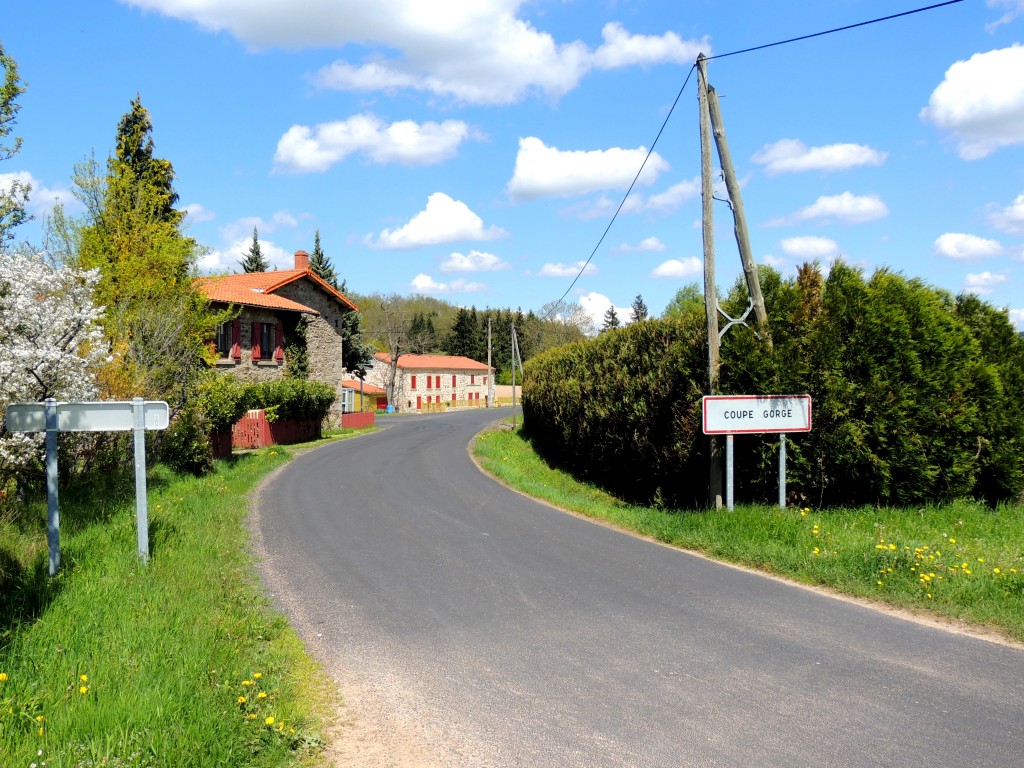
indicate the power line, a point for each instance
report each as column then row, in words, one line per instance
column 836, row 29
column 679, row 95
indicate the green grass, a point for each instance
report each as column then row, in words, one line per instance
column 179, row 663
column 961, row 561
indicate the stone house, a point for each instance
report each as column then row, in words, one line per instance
column 430, row 382
column 252, row 347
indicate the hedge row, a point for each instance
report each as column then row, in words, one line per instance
column 222, row 400
column 918, row 396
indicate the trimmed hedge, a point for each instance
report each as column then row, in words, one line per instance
column 918, row 397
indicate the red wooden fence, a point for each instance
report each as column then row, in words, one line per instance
column 254, row 431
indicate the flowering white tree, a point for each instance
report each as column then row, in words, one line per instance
column 50, row 342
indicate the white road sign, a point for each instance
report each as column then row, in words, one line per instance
column 756, row 414
column 99, row 416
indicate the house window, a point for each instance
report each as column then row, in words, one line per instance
column 485, row 381
column 437, row 382
column 429, row 382
column 472, row 378
column 413, row 383
column 225, row 340
column 453, row 379
column 266, row 341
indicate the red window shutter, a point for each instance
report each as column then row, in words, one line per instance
column 453, row 379
column 472, row 378
column 419, row 402
column 413, row 382
column 236, row 339
column 430, row 381
column 485, row 381
column 453, row 397
column 437, row 382
column 279, row 346
column 256, row 341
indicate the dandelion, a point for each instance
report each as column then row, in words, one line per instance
column 241, row 699
column 257, row 676
column 249, row 682
column 269, row 721
column 84, row 689
column 879, row 583
column 84, row 678
column 996, row 570
column 981, row 559
column 952, row 541
column 261, row 695
column 40, row 718
column 3, row 677
column 252, row 716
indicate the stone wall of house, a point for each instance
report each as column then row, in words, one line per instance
column 469, row 386
column 247, row 369
column 323, row 335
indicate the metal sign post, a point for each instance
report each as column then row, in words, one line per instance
column 730, row 415
column 52, row 417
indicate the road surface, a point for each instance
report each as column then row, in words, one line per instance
column 513, row 634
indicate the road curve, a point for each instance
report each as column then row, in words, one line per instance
column 518, row 635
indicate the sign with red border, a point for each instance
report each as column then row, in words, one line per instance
column 755, row 414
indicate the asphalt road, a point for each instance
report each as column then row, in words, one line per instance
column 526, row 636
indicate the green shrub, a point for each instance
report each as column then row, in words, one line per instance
column 222, row 400
column 293, row 398
column 185, row 444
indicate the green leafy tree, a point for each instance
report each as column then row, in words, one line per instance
column 156, row 323
column 253, row 259
column 688, row 299
column 14, row 198
column 638, row 312
column 320, row 264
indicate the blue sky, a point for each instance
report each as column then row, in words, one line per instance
column 475, row 149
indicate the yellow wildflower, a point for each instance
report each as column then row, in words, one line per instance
column 3, row 677
column 241, row 699
column 84, row 678
column 261, row 695
column 257, row 676
column 83, row 690
column 269, row 721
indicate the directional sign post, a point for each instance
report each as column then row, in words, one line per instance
column 730, row 415
column 52, row 417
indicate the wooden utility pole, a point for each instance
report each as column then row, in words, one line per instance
column 490, row 373
column 739, row 218
column 710, row 292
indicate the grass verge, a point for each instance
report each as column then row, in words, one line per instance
column 961, row 561
column 179, row 663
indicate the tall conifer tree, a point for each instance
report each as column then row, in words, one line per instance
column 320, row 264
column 253, row 259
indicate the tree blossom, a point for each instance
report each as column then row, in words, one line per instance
column 50, row 342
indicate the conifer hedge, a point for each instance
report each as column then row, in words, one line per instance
column 918, row 396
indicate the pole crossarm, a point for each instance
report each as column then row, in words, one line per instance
column 742, row 320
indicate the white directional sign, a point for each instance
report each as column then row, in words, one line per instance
column 99, row 416
column 756, row 414
column 52, row 417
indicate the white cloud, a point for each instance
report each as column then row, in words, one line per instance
column 303, row 149
column 567, row 270
column 444, row 220
column 1011, row 218
column 597, row 304
column 981, row 102
column 679, row 268
column 962, row 247
column 228, row 258
column 41, row 199
column 426, row 284
column 845, row 207
column 647, row 245
column 793, row 156
column 196, row 212
column 474, row 261
column 543, row 171
column 476, row 51
column 982, row 283
column 1016, row 8
column 1017, row 318
column 809, row 247
column 674, row 196
column 621, row 49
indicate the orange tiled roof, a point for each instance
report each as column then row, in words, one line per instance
column 241, row 289
column 241, row 292
column 433, row 362
column 368, row 389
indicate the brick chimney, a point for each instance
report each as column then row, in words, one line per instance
column 301, row 260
